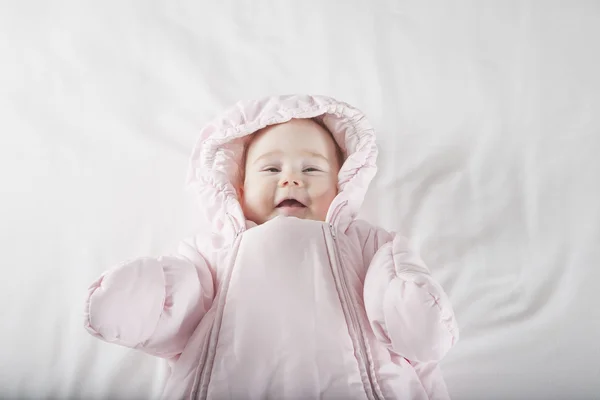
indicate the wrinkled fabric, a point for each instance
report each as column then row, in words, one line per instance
column 292, row 308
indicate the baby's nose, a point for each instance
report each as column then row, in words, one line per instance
column 291, row 181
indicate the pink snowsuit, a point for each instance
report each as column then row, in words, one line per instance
column 290, row 309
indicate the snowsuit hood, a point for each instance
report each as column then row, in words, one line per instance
column 215, row 167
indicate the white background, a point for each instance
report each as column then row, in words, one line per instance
column 488, row 120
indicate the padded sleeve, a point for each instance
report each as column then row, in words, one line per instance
column 151, row 304
column 407, row 309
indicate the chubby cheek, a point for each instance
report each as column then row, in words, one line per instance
column 322, row 200
column 257, row 203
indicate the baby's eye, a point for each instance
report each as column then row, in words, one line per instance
column 271, row 169
column 311, row 169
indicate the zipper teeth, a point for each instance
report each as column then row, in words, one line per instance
column 236, row 227
column 335, row 214
column 362, row 347
column 203, row 370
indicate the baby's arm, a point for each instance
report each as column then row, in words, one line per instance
column 408, row 310
column 151, row 304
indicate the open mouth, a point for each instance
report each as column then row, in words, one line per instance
column 290, row 203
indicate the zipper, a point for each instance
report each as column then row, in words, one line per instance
column 334, row 215
column 207, row 357
column 236, row 228
column 371, row 388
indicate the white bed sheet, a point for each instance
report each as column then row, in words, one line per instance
column 489, row 127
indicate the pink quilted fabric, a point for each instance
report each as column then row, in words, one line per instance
column 290, row 309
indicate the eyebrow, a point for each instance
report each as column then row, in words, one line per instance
column 277, row 152
column 267, row 155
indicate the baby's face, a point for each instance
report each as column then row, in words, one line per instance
column 291, row 170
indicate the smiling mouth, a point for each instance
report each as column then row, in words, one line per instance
column 290, row 203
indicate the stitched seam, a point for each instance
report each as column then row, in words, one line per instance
column 162, row 307
column 447, row 325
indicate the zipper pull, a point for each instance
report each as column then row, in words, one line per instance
column 332, row 229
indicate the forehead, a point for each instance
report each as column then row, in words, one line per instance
column 293, row 136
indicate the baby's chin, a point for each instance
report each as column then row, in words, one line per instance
column 298, row 212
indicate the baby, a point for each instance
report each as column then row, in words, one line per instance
column 287, row 295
